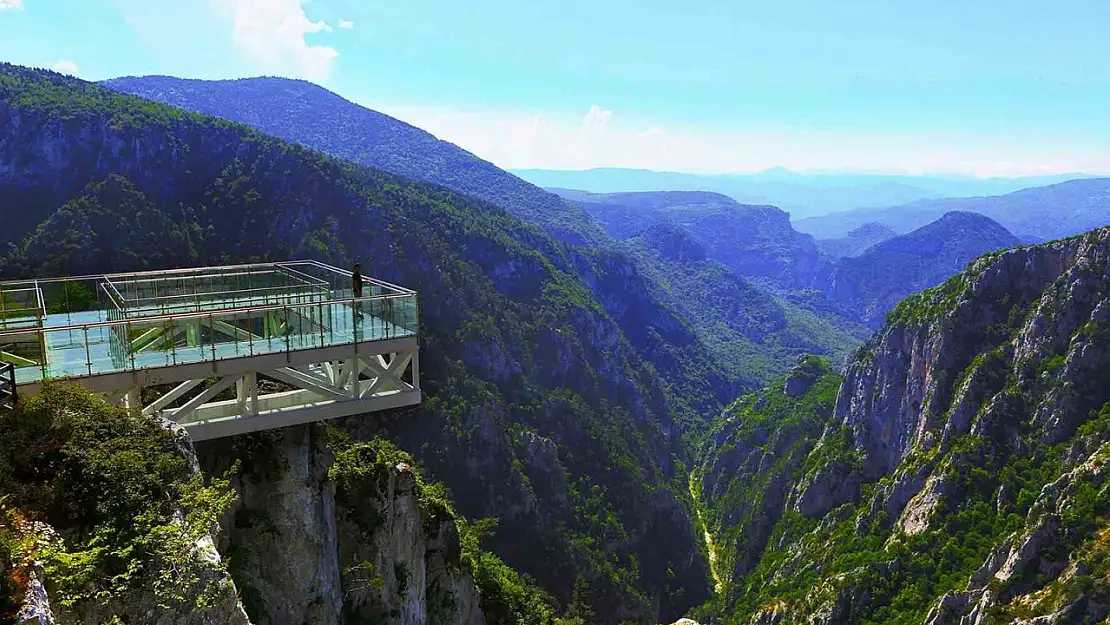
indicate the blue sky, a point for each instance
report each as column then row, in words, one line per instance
column 970, row 86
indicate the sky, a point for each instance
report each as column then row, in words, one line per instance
column 982, row 87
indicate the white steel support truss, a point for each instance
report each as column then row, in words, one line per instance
column 314, row 391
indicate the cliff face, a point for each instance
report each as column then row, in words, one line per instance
column 310, row 531
column 961, row 477
column 314, row 538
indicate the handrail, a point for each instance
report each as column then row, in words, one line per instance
column 212, row 293
column 178, row 271
column 219, row 312
column 364, row 278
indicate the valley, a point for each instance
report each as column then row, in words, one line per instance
column 639, row 404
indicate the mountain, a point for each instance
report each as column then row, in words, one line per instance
column 876, row 280
column 1033, row 215
column 577, row 448
column 301, row 112
column 955, row 472
column 753, row 241
column 856, row 241
column 757, row 334
column 802, row 194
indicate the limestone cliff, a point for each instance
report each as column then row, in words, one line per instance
column 339, row 532
column 961, row 476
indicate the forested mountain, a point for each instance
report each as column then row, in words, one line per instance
column 959, row 474
column 1033, row 215
column 301, row 112
column 578, row 448
column 876, row 280
column 756, row 333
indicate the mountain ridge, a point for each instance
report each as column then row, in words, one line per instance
column 890, row 270
column 1036, row 214
column 303, row 112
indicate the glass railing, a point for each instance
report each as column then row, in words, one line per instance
column 89, row 342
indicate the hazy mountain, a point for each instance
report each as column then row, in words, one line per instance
column 1036, row 214
column 876, row 280
column 856, row 241
column 800, row 194
column 753, row 241
column 301, row 112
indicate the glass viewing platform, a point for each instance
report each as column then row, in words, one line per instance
column 118, row 325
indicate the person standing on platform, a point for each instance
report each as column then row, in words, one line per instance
column 356, row 280
column 356, row 288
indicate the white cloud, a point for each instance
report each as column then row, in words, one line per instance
column 514, row 139
column 65, row 67
column 272, row 34
column 596, row 119
column 347, row 24
column 10, row 4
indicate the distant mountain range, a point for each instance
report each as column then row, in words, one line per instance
column 754, row 241
column 801, row 194
column 305, row 113
column 1033, row 215
column 856, row 278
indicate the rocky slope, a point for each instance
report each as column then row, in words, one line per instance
column 960, row 475
column 873, row 282
column 577, row 448
column 304, row 113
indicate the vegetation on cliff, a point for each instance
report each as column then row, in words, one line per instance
column 107, row 503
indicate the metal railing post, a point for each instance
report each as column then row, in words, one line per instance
column 127, row 345
column 88, row 351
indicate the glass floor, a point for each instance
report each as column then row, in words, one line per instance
column 73, row 349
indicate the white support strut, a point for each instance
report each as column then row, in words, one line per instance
column 312, row 391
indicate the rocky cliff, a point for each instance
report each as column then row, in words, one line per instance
column 960, row 477
column 303, row 528
column 333, row 531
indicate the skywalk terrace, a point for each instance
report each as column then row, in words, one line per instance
column 192, row 344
